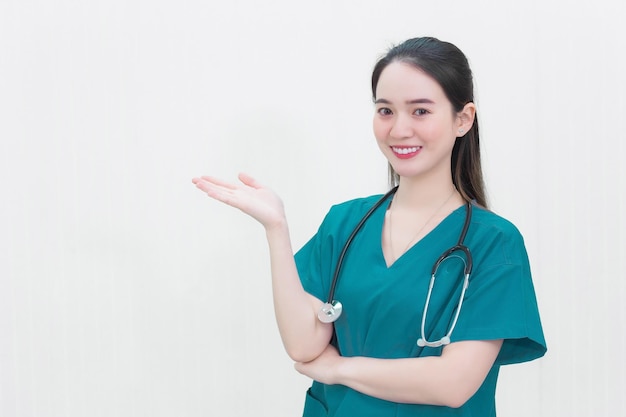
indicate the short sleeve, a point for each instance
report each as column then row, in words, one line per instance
column 501, row 303
column 317, row 259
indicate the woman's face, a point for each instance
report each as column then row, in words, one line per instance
column 414, row 122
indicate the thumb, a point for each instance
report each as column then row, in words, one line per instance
column 249, row 181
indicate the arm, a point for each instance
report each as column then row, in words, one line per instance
column 450, row 379
column 303, row 335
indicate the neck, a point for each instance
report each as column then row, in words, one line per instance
column 420, row 194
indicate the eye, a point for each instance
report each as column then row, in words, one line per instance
column 384, row 111
column 420, row 112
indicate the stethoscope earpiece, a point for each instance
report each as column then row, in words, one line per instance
column 330, row 312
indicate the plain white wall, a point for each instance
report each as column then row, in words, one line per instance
column 125, row 292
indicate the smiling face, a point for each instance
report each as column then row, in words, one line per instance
column 414, row 122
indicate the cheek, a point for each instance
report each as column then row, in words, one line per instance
column 434, row 132
column 380, row 129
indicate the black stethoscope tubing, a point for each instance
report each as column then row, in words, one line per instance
column 332, row 308
column 346, row 246
column 459, row 245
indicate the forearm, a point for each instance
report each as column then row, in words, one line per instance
column 450, row 379
column 410, row 381
column 303, row 335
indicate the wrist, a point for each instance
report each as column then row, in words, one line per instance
column 279, row 227
column 344, row 370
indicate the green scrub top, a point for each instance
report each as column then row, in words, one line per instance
column 382, row 306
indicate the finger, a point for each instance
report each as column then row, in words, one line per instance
column 218, row 192
column 249, row 181
column 206, row 186
column 212, row 185
column 218, row 182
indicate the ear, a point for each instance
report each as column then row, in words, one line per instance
column 465, row 118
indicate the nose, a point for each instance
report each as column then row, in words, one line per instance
column 401, row 127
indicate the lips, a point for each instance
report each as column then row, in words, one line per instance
column 404, row 152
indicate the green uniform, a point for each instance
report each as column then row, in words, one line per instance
column 382, row 306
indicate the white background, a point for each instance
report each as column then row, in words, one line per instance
column 124, row 291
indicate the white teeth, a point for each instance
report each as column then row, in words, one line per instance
column 404, row 151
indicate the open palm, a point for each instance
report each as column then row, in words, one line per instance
column 250, row 196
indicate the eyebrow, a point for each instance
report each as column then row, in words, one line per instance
column 415, row 101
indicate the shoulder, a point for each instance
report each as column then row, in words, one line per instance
column 492, row 221
column 347, row 214
column 355, row 206
column 496, row 235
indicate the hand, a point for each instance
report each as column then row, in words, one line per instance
column 323, row 368
column 251, row 197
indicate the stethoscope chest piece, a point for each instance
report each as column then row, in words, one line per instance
column 330, row 312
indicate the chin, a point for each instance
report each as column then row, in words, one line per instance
column 407, row 170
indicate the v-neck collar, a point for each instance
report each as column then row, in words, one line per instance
column 380, row 222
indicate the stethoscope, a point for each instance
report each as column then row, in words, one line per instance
column 332, row 309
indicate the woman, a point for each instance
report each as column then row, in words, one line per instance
column 367, row 363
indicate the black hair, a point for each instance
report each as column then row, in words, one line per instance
column 447, row 65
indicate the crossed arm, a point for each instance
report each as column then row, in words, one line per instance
column 450, row 379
